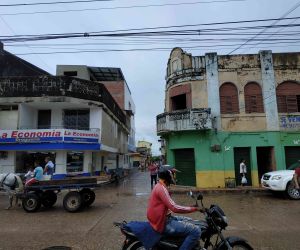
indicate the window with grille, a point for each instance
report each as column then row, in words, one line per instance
column 77, row 119
column 288, row 97
column 253, row 98
column 229, row 102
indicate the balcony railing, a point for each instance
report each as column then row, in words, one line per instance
column 181, row 120
column 60, row 86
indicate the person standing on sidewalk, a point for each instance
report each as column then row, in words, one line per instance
column 243, row 172
column 153, row 168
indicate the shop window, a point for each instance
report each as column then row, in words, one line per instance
column 253, row 98
column 3, row 155
column 74, row 161
column 229, row 99
column 44, row 119
column 77, row 119
column 178, row 102
column 70, row 73
column 288, row 97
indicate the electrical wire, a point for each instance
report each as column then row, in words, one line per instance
column 119, row 7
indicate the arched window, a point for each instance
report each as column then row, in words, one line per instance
column 288, row 97
column 253, row 98
column 229, row 101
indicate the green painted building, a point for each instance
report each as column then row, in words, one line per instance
column 220, row 109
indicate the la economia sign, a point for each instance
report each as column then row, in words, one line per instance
column 48, row 135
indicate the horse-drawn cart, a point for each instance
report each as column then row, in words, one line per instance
column 79, row 195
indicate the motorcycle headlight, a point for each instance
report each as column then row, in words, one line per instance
column 276, row 177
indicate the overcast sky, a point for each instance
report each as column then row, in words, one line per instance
column 144, row 71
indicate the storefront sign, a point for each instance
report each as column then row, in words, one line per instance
column 49, row 135
column 291, row 122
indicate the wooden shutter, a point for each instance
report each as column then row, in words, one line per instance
column 229, row 102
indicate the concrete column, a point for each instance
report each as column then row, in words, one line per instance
column 212, row 76
column 87, row 162
column 61, row 162
column 56, row 118
column 269, row 90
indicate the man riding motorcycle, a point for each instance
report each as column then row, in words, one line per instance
column 159, row 213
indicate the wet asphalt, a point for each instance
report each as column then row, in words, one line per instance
column 268, row 222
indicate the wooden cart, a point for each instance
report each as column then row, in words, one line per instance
column 79, row 195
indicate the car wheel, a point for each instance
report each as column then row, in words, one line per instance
column 292, row 192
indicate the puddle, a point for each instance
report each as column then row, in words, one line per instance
column 141, row 194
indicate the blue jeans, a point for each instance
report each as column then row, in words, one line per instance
column 182, row 226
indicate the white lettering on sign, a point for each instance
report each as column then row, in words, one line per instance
column 296, row 142
column 48, row 135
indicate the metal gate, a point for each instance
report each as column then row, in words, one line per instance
column 185, row 163
column 242, row 153
column 292, row 155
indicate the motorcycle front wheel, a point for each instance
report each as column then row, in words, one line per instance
column 133, row 245
column 240, row 246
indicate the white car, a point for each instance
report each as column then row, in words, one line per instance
column 282, row 180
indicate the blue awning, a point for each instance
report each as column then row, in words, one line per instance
column 49, row 146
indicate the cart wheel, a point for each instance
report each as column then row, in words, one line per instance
column 72, row 201
column 31, row 203
column 88, row 197
column 48, row 198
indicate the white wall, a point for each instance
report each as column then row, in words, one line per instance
column 82, row 71
column 95, row 118
column 28, row 117
column 9, row 119
column 8, row 165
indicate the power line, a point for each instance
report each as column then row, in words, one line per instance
column 120, row 7
column 276, row 21
column 51, row 3
column 165, row 33
column 171, row 26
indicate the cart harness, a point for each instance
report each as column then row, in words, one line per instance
column 12, row 186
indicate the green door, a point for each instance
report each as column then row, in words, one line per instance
column 185, row 163
column 242, row 153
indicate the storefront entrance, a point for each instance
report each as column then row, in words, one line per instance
column 25, row 160
column 265, row 160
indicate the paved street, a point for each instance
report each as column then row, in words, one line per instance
column 268, row 222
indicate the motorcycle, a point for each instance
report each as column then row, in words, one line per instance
column 211, row 233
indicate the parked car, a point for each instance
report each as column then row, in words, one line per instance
column 281, row 180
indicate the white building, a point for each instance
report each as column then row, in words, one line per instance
column 74, row 121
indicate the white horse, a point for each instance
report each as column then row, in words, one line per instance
column 11, row 184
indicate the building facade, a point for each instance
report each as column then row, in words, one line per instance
column 76, row 122
column 220, row 109
column 114, row 81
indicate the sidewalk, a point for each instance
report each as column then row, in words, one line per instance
column 246, row 189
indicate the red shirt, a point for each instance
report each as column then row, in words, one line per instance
column 159, row 205
column 297, row 171
column 153, row 169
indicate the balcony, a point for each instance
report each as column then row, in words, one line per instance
column 184, row 120
column 60, row 86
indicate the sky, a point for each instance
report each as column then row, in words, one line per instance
column 144, row 70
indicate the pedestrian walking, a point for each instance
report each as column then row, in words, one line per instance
column 243, row 172
column 153, row 168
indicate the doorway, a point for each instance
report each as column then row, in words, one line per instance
column 242, row 153
column 265, row 160
column 185, row 163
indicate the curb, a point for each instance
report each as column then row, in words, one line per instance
column 238, row 190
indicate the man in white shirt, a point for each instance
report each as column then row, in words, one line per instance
column 49, row 167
